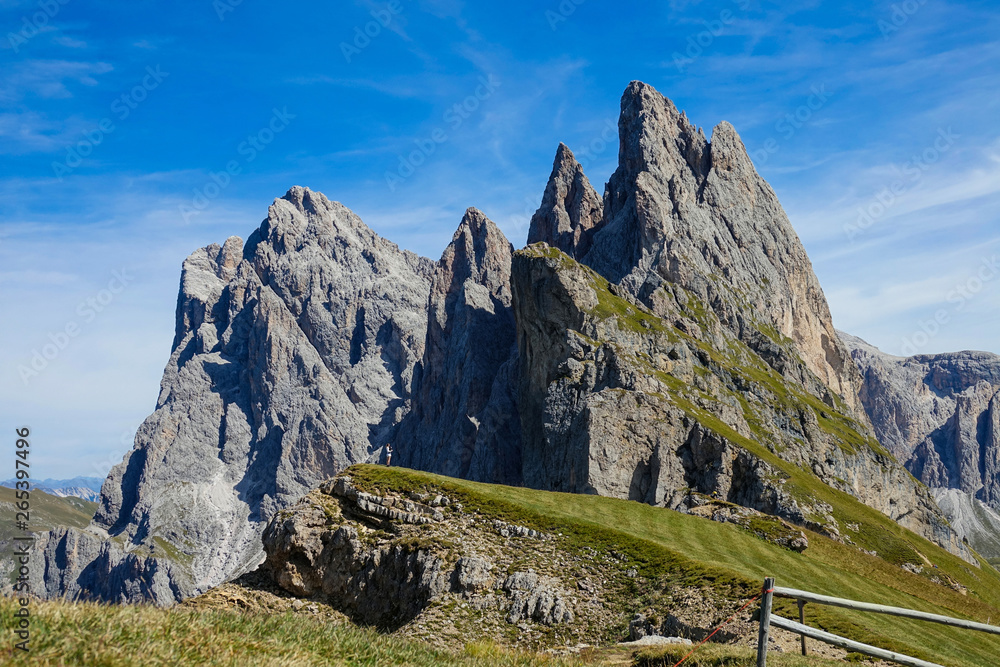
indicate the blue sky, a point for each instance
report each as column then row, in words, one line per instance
column 876, row 123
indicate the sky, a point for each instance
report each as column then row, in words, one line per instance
column 133, row 133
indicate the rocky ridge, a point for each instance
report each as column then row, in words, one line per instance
column 421, row 564
column 690, row 348
column 940, row 414
column 619, row 402
column 464, row 421
column 685, row 212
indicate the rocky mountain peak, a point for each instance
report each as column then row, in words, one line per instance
column 464, row 420
column 571, row 211
column 480, row 251
column 938, row 413
column 687, row 217
column 611, row 368
column 656, row 138
column 304, row 219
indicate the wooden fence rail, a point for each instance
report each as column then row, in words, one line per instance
column 767, row 620
column 806, row 596
column 850, row 645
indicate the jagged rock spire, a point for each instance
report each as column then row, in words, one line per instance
column 684, row 211
column 465, row 419
column 571, row 210
column 480, row 251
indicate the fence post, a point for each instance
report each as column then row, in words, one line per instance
column 802, row 620
column 765, row 622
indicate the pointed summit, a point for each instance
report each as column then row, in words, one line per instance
column 464, row 420
column 655, row 137
column 478, row 250
column 571, row 210
column 684, row 211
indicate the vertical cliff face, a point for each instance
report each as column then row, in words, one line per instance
column 938, row 413
column 681, row 211
column 617, row 401
column 464, row 421
column 306, row 351
column 713, row 292
column 293, row 358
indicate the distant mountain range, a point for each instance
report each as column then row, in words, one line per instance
column 88, row 488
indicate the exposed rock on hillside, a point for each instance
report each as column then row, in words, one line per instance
column 618, row 402
column 681, row 211
column 938, row 413
column 973, row 520
column 422, row 564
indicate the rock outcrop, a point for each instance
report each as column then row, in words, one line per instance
column 420, row 563
column 329, row 546
column 940, row 414
column 973, row 520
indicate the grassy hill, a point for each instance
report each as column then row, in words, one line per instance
column 661, row 544
column 47, row 512
column 111, row 636
column 682, row 547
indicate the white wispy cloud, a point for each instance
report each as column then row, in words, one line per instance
column 47, row 79
column 36, row 132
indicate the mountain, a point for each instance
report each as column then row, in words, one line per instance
column 293, row 358
column 47, row 512
column 685, row 212
column 940, row 415
column 665, row 342
column 464, row 420
column 973, row 520
column 87, row 488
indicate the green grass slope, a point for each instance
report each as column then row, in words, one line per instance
column 126, row 636
column 678, row 547
column 663, row 545
column 122, row 636
column 47, row 512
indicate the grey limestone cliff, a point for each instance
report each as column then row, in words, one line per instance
column 464, row 421
column 571, row 211
column 685, row 212
column 619, row 402
column 293, row 358
column 938, row 413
